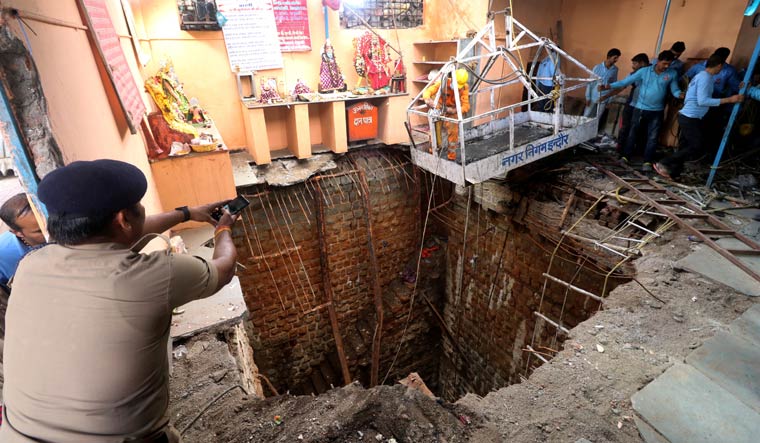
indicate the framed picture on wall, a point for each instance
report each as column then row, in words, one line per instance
column 198, row 15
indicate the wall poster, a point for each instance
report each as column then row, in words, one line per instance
column 250, row 34
column 109, row 48
column 292, row 18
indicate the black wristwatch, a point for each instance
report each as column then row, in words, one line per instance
column 185, row 212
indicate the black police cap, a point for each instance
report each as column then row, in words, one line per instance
column 86, row 188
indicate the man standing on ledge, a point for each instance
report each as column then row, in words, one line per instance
column 653, row 83
column 88, row 323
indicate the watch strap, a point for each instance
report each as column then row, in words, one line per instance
column 185, row 211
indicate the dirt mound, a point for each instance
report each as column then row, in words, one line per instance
column 348, row 414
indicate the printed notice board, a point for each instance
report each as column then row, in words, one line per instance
column 109, row 47
column 292, row 20
column 250, row 34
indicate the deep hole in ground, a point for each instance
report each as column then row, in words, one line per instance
column 464, row 321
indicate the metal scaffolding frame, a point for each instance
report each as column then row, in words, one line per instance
column 484, row 52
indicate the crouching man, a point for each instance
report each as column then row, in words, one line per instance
column 88, row 324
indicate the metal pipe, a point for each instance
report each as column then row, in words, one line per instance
column 734, row 113
column 662, row 28
column 327, row 26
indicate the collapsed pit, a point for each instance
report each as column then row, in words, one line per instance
column 472, row 327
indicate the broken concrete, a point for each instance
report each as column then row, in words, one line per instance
column 281, row 172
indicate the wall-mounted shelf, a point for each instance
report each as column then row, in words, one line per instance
column 305, row 127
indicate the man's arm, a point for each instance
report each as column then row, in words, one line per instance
column 155, row 224
column 738, row 98
column 704, row 98
column 194, row 277
column 733, row 82
column 612, row 77
column 631, row 79
column 464, row 99
column 225, row 254
column 674, row 89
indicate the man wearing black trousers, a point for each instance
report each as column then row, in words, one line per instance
column 698, row 100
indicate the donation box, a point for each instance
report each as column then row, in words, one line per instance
column 361, row 120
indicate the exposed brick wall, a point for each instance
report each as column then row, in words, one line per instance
column 278, row 243
column 495, row 285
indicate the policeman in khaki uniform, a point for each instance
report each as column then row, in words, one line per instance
column 88, row 324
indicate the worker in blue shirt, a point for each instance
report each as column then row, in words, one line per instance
column 639, row 61
column 596, row 102
column 653, row 84
column 698, row 100
column 24, row 234
column 725, row 84
column 726, row 81
column 677, row 65
column 547, row 70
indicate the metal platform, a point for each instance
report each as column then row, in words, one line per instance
column 501, row 137
column 489, row 156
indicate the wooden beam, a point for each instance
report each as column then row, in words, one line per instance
column 377, row 292
column 299, row 133
column 324, row 260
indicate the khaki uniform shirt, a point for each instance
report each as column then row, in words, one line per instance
column 86, row 341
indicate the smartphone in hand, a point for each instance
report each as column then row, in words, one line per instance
column 233, row 207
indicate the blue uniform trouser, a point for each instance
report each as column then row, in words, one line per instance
column 652, row 122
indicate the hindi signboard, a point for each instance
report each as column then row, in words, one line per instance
column 109, row 48
column 292, row 19
column 250, row 34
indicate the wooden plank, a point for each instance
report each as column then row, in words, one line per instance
column 324, row 260
column 726, row 232
column 299, row 134
column 256, row 138
column 192, row 180
column 652, row 190
column 332, row 117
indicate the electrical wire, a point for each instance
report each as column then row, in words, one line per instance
column 208, row 406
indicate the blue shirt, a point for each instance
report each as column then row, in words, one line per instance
column 726, row 82
column 548, row 68
column 652, row 87
column 607, row 76
column 12, row 250
column 699, row 96
column 676, row 65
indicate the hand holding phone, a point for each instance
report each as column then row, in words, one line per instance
column 233, row 207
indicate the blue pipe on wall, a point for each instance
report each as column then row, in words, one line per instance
column 734, row 113
column 327, row 26
column 662, row 28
